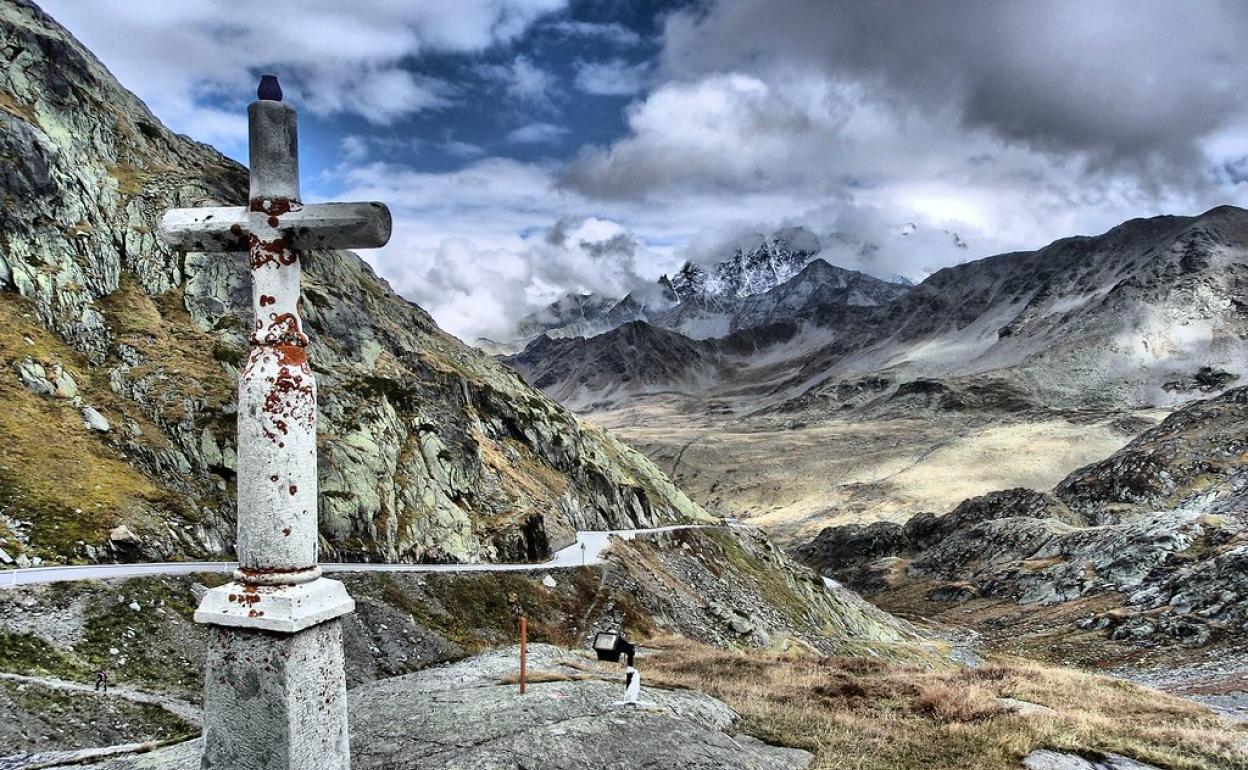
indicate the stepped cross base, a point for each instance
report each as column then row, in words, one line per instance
column 282, row 608
column 276, row 701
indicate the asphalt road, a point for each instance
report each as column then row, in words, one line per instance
column 586, row 550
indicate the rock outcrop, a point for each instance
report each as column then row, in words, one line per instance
column 1162, row 524
column 1047, row 759
column 466, row 716
column 118, row 362
column 735, row 588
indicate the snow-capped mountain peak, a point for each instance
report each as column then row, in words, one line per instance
column 751, row 269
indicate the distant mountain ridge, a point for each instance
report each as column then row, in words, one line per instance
column 816, row 291
column 713, row 300
column 1122, row 318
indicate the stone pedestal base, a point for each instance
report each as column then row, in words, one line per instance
column 275, row 701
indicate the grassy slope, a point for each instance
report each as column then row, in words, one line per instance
column 868, row 714
column 54, row 472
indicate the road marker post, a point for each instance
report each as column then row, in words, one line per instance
column 524, row 652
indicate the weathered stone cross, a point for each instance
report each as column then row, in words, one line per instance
column 274, row 688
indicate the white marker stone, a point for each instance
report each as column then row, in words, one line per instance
column 275, row 695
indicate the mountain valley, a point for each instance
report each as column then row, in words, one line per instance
column 1012, row 370
column 995, row 519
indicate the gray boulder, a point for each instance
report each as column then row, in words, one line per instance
column 1044, row 759
column 35, row 377
column 92, row 419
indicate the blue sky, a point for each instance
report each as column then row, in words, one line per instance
column 563, row 83
column 534, row 147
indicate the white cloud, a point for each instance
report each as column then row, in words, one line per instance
column 611, row 78
column 465, row 246
column 462, row 149
column 536, row 133
column 757, row 105
column 614, row 33
column 524, row 81
column 353, row 148
column 1131, row 83
column 334, row 58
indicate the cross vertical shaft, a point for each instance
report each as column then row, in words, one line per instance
column 274, row 686
column 277, row 532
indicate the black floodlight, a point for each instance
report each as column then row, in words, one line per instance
column 610, row 645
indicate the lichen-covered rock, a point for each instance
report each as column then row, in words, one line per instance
column 1195, row 458
column 94, row 420
column 429, row 449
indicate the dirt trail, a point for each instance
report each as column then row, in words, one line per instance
column 188, row 712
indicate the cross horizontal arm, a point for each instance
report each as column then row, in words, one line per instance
column 315, row 226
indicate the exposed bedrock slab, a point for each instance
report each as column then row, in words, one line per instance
column 1044, row 759
column 460, row 717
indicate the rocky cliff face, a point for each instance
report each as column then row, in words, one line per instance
column 118, row 362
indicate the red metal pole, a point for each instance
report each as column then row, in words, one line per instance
column 524, row 651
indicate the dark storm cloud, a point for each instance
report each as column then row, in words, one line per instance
column 557, row 235
column 621, row 245
column 1127, row 81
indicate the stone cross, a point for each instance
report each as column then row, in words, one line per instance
column 274, row 688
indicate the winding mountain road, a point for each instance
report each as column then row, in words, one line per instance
column 586, row 550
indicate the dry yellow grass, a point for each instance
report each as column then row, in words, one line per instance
column 11, row 105
column 72, row 484
column 793, row 482
column 866, row 714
